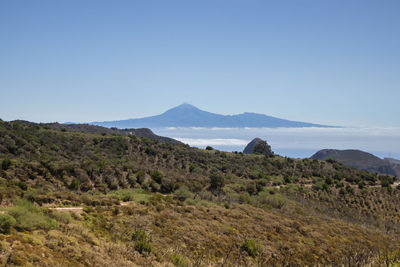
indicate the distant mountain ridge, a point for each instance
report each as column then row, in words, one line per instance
column 187, row 115
column 361, row 160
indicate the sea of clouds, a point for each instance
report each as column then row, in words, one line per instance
column 292, row 142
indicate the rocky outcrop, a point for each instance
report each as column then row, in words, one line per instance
column 258, row 146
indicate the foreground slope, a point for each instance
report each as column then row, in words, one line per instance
column 187, row 115
column 141, row 202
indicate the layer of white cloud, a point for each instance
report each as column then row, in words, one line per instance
column 212, row 142
column 381, row 141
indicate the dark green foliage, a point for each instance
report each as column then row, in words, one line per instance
column 263, row 148
column 209, row 148
column 140, row 176
column 217, row 182
column 386, row 181
column 75, row 184
column 349, row 189
column 156, row 176
column 331, row 160
column 251, row 188
column 6, row 222
column 6, row 164
column 342, row 191
column 22, row 185
column 252, row 247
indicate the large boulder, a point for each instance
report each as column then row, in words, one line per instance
column 258, row 146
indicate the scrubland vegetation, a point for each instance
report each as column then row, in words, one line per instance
column 151, row 203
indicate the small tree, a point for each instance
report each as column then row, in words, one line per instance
column 263, row 148
column 217, row 182
column 140, row 176
column 156, row 176
column 75, row 184
column 6, row 164
column 6, row 222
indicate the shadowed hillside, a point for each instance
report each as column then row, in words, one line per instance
column 360, row 160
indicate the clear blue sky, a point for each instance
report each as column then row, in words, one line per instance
column 334, row 62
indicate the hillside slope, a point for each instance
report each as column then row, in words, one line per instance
column 141, row 202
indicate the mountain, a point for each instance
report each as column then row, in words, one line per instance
column 360, row 160
column 187, row 115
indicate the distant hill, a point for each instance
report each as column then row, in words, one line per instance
column 187, row 115
column 258, row 146
column 395, row 165
column 142, row 132
column 361, row 160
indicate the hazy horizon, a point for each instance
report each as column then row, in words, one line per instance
column 292, row 142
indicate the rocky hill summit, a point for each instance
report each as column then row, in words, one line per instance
column 258, row 146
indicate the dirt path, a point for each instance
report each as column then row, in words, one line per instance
column 80, row 209
column 72, row 209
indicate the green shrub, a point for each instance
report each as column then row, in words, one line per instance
column 385, row 183
column 6, row 222
column 29, row 217
column 140, row 176
column 330, row 160
column 190, row 202
column 6, row 164
column 142, row 241
column 183, row 193
column 138, row 195
column 75, row 184
column 179, row 260
column 61, row 217
column 217, row 182
column 251, row 188
column 263, row 148
column 252, row 247
column 156, row 176
column 244, row 198
column 275, row 200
